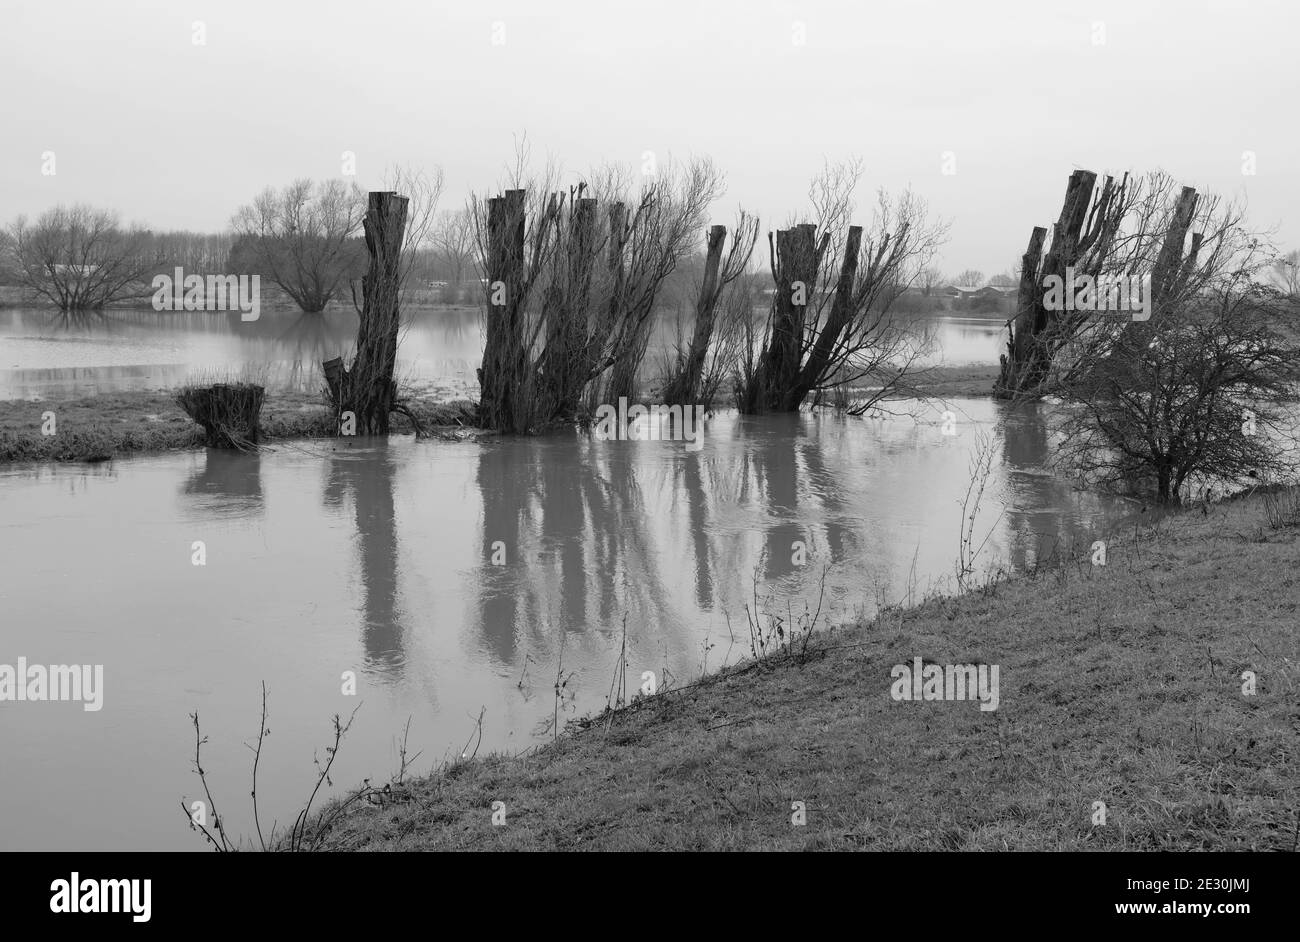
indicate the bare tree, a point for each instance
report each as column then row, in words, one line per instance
column 200, row 253
column 1285, row 270
column 79, row 257
column 1203, row 395
column 722, row 299
column 454, row 239
column 422, row 190
column 970, row 278
column 366, row 388
column 929, row 278
column 571, row 289
column 305, row 237
column 832, row 326
column 1004, row 280
column 8, row 258
column 665, row 227
column 1183, row 241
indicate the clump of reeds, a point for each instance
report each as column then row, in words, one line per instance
column 1282, row 507
column 230, row 413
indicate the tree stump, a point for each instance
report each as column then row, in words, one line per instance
column 230, row 414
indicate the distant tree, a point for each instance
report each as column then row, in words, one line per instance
column 199, row 253
column 79, row 257
column 1004, row 280
column 8, row 260
column 305, row 238
column 454, row 239
column 929, row 278
column 970, row 278
column 245, row 258
column 1286, row 273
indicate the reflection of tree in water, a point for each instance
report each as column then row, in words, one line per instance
column 230, row 482
column 1038, row 518
column 88, row 320
column 457, row 327
column 578, row 543
column 824, row 486
column 306, row 343
column 771, row 479
column 504, row 482
column 785, row 472
column 367, row 478
column 691, row 482
column 624, row 566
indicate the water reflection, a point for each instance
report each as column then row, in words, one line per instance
column 229, row 484
column 367, row 480
column 439, row 348
column 690, row 480
column 85, row 321
column 313, row 572
column 120, row 350
column 1040, row 520
column 308, row 342
column 582, row 525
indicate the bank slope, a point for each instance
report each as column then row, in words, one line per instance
column 1119, row 684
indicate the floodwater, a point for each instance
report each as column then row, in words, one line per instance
column 48, row 355
column 380, row 559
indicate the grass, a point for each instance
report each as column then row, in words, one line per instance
column 943, row 381
column 97, row 428
column 110, row 425
column 1119, row 683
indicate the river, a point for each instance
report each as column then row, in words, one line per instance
column 378, row 559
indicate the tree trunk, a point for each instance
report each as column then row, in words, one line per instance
column 1165, row 274
column 1028, row 311
column 685, row 386
column 368, row 389
column 564, row 361
column 1030, row 352
column 794, row 272
column 823, row 352
column 1164, row 490
column 502, row 398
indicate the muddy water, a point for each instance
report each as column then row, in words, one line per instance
column 48, row 355
column 377, row 559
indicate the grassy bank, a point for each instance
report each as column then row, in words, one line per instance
column 943, row 381
column 97, row 428
column 1119, row 683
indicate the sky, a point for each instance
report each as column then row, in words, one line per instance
column 175, row 113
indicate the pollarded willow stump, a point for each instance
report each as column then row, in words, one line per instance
column 367, row 388
column 230, row 413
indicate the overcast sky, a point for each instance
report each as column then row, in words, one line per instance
column 177, row 135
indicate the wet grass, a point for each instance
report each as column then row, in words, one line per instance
column 1120, row 684
column 943, row 381
column 98, row 428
